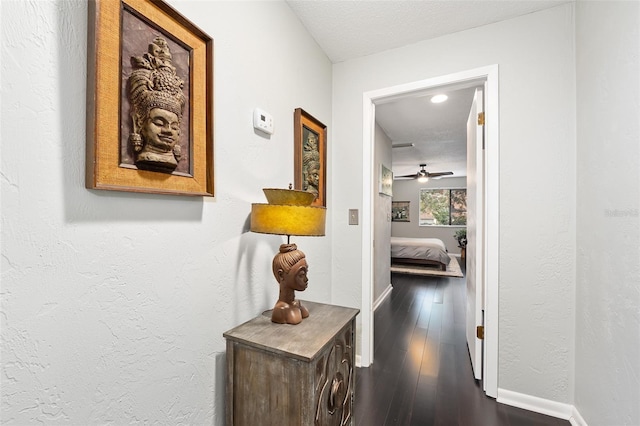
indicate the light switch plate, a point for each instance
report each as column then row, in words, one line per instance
column 353, row 216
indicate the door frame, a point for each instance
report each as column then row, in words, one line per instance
column 489, row 75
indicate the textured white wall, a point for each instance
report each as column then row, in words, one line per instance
column 536, row 55
column 607, row 377
column 382, row 222
column 409, row 190
column 114, row 304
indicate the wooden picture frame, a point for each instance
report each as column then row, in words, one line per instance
column 310, row 156
column 131, row 41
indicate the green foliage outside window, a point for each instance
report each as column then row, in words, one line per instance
column 443, row 207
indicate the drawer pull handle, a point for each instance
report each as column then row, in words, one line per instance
column 336, row 394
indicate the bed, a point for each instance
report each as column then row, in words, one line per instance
column 419, row 251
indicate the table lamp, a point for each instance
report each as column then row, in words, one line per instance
column 289, row 212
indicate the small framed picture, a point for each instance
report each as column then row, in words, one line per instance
column 385, row 181
column 310, row 156
column 150, row 100
column 400, row 211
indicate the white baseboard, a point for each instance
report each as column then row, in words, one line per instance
column 538, row 405
column 383, row 296
column 576, row 419
column 376, row 304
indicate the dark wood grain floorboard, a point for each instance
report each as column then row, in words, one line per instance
column 421, row 373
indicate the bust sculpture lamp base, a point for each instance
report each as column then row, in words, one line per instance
column 290, row 269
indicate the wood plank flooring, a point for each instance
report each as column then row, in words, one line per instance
column 421, row 374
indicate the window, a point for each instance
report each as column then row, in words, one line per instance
column 443, row 207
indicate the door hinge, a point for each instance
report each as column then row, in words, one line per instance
column 481, row 119
column 480, row 332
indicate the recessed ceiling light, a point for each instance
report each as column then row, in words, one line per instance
column 439, row 98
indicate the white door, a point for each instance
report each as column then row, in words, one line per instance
column 475, row 231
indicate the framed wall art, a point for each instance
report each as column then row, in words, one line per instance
column 310, row 156
column 400, row 211
column 385, row 181
column 149, row 100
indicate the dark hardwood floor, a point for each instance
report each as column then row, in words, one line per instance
column 421, row 373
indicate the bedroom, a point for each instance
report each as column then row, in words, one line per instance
column 410, row 132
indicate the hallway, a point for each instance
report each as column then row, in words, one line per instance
column 421, row 374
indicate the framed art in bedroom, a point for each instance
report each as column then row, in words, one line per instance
column 400, row 211
column 149, row 100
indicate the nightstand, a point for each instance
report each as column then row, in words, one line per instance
column 304, row 374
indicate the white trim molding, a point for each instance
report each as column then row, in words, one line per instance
column 383, row 296
column 489, row 75
column 536, row 404
column 576, row 419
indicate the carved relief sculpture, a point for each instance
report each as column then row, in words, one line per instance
column 157, row 104
column 310, row 156
column 310, row 163
column 149, row 100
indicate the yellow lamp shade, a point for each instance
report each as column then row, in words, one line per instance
column 288, row 220
column 288, row 213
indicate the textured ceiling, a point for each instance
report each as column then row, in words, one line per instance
column 348, row 29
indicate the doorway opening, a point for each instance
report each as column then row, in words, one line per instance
column 489, row 77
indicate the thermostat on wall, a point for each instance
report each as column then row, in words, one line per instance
column 262, row 121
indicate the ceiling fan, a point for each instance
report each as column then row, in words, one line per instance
column 423, row 175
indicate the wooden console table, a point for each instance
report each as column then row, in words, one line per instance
column 281, row 374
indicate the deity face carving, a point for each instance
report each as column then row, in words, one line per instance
column 161, row 130
column 312, row 142
column 313, row 176
column 157, row 101
column 160, row 51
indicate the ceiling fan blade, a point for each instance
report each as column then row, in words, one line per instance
column 438, row 174
column 423, row 173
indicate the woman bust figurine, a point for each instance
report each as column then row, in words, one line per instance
column 290, row 269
